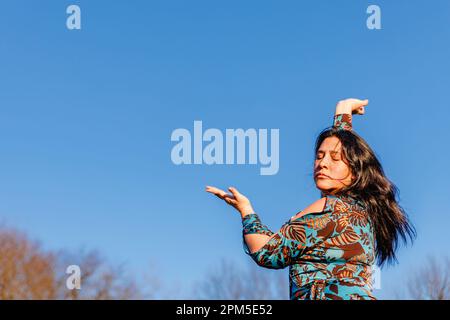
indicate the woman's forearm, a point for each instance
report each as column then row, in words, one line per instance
column 256, row 241
column 343, row 116
column 256, row 234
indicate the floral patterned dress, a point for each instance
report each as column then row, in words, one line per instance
column 329, row 253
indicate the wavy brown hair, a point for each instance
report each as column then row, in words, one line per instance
column 375, row 190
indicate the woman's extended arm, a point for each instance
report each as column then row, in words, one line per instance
column 256, row 234
column 296, row 237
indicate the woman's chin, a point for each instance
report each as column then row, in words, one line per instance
column 324, row 187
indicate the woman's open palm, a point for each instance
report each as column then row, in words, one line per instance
column 235, row 199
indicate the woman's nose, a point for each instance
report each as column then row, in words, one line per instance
column 323, row 163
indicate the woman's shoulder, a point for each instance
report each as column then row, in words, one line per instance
column 345, row 204
column 330, row 204
column 314, row 208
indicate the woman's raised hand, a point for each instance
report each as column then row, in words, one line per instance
column 352, row 106
column 235, row 199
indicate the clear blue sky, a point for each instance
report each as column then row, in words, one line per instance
column 86, row 118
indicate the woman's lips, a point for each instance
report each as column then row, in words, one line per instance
column 321, row 175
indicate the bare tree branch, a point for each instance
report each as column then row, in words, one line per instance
column 431, row 281
column 229, row 282
column 29, row 272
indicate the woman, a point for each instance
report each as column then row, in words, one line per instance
column 331, row 245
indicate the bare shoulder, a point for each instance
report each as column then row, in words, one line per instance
column 317, row 206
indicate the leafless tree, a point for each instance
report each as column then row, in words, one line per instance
column 99, row 280
column 29, row 272
column 227, row 281
column 432, row 281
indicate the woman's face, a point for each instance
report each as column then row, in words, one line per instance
column 331, row 173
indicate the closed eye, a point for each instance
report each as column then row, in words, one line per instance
column 335, row 155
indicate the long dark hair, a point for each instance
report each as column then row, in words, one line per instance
column 375, row 190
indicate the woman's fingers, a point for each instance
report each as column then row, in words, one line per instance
column 221, row 194
column 355, row 102
column 234, row 192
column 361, row 109
column 218, row 192
column 230, row 200
column 357, row 105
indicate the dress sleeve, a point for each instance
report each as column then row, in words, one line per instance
column 293, row 239
column 343, row 121
column 252, row 224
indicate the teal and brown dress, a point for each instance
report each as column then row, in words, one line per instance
column 330, row 254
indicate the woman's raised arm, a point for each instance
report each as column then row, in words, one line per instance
column 344, row 111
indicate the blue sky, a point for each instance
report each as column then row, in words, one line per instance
column 86, row 118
